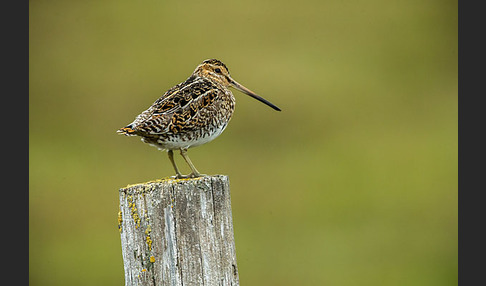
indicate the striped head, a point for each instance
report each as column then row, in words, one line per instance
column 214, row 70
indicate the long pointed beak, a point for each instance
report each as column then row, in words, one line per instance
column 251, row 93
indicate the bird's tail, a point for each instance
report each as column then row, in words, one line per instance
column 126, row 131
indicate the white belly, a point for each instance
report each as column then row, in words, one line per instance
column 178, row 143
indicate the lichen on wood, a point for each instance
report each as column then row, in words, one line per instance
column 185, row 236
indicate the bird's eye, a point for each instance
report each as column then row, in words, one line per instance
column 217, row 70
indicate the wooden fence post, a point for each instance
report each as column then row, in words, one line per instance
column 178, row 232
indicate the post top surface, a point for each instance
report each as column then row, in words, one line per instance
column 170, row 181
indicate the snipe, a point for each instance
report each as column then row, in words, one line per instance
column 191, row 113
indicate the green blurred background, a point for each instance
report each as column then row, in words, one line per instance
column 353, row 183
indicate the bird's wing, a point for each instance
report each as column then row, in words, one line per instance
column 178, row 110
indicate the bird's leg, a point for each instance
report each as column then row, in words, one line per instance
column 195, row 173
column 171, row 158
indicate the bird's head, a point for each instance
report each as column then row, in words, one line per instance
column 216, row 71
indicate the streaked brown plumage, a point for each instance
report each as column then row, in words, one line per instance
column 191, row 113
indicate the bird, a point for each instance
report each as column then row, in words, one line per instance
column 191, row 113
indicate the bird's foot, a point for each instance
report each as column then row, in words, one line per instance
column 197, row 175
column 191, row 175
column 179, row 176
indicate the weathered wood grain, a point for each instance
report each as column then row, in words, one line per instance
column 178, row 232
